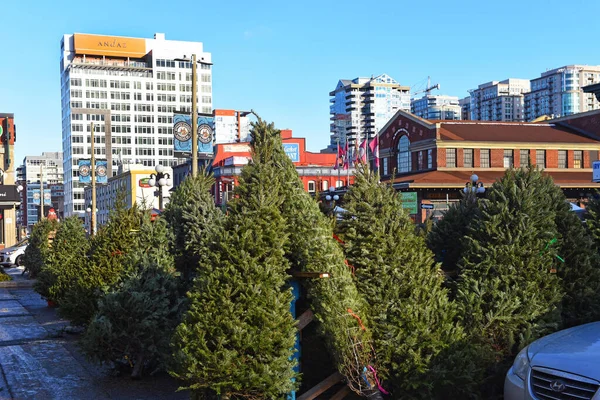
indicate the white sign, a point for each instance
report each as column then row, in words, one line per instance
column 8, row 220
column 596, row 172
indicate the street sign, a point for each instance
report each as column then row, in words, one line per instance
column 427, row 206
column 596, row 171
column 409, row 201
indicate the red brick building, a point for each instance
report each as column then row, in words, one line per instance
column 315, row 169
column 431, row 161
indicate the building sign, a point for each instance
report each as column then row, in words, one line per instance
column 409, row 202
column 596, row 171
column 182, row 132
column 9, row 193
column 85, row 174
column 236, row 148
column 99, row 45
column 292, row 150
column 101, row 168
column 143, row 183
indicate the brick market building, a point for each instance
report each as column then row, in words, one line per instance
column 430, row 162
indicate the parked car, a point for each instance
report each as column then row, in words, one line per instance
column 563, row 365
column 13, row 255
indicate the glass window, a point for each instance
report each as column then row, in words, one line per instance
column 430, row 158
column 484, row 158
column 524, row 158
column 403, row 155
column 451, row 158
column 562, row 159
column 311, row 187
column 385, row 166
column 508, row 159
column 578, row 159
column 468, row 158
column 339, row 184
column 325, row 185
column 540, row 158
column 420, row 160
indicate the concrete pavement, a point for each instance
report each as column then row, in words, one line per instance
column 39, row 360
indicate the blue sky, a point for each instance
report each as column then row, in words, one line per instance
column 282, row 58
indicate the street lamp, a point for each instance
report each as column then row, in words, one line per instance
column 159, row 180
column 332, row 196
column 194, row 109
column 474, row 186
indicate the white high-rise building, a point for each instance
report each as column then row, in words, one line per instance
column 436, row 107
column 559, row 92
column 129, row 88
column 499, row 100
column 361, row 107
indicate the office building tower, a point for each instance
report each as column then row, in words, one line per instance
column 559, row 92
column 465, row 106
column 129, row 88
column 436, row 107
column 361, row 107
column 499, row 100
column 36, row 172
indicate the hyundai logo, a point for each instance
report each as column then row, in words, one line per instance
column 557, row 386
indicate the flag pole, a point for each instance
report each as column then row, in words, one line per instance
column 337, row 159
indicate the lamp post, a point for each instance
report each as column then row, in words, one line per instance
column 159, row 180
column 331, row 196
column 92, row 226
column 474, row 186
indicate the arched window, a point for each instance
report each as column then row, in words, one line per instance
column 325, row 185
column 311, row 187
column 403, row 161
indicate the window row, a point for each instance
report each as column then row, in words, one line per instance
column 525, row 158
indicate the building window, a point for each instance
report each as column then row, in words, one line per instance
column 339, row 184
column 420, row 160
column 430, row 158
column 540, row 158
column 451, row 158
column 403, row 155
column 578, row 159
column 311, row 187
column 562, row 159
column 325, row 185
column 524, row 158
column 385, row 166
column 508, row 159
column 484, row 158
column 468, row 158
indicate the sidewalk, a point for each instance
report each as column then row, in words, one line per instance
column 40, row 360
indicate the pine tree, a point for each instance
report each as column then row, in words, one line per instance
column 335, row 301
column 592, row 218
column 411, row 316
column 136, row 318
column 445, row 238
column 193, row 218
column 105, row 263
column 37, row 252
column 65, row 260
column 238, row 336
column 507, row 293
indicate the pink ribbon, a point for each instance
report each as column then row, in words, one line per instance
column 381, row 389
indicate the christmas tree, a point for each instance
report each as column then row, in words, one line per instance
column 237, row 337
column 136, row 318
column 192, row 216
column 411, row 316
column 66, row 258
column 38, row 250
column 507, row 290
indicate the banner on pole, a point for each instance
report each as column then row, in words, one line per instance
column 182, row 132
column 85, row 171
column 101, row 169
column 47, row 197
column 36, row 197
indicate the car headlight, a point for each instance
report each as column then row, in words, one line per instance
column 521, row 364
column 8, row 253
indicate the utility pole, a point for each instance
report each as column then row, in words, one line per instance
column 41, row 192
column 93, row 168
column 194, row 117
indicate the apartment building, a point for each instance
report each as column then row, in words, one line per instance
column 499, row 100
column 437, row 107
column 362, row 106
column 465, row 106
column 559, row 92
column 129, row 89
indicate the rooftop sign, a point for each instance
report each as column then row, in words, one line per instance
column 115, row 46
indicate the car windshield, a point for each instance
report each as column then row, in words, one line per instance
column 23, row 242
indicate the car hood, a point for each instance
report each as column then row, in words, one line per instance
column 574, row 350
column 11, row 249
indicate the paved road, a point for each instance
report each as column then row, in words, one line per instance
column 39, row 360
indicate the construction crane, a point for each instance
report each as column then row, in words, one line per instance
column 428, row 88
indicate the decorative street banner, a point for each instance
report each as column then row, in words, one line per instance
column 85, row 170
column 36, row 197
column 101, row 168
column 292, row 150
column 182, row 132
column 47, row 197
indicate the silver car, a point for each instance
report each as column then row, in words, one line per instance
column 563, row 365
column 14, row 255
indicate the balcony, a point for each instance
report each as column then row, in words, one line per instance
column 99, row 63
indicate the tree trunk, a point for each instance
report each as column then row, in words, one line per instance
column 138, row 368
